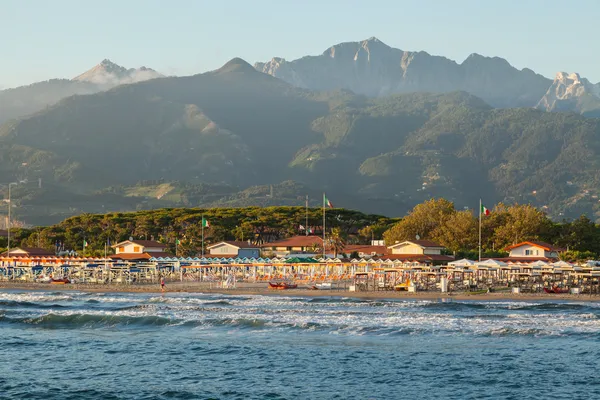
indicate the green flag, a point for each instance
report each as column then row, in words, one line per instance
column 205, row 223
column 85, row 243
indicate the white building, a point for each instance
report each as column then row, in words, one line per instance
column 418, row 247
column 234, row 249
column 530, row 249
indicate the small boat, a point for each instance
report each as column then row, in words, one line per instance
column 556, row 290
column 322, row 286
column 282, row 285
column 60, row 281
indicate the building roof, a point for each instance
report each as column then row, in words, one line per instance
column 365, row 249
column 421, row 243
column 297, row 241
column 140, row 256
column 524, row 259
column 144, row 243
column 541, row 245
column 416, row 257
column 29, row 251
column 235, row 243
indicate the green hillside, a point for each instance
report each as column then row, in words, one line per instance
column 225, row 137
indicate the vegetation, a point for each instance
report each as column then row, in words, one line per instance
column 259, row 225
column 438, row 220
column 224, row 137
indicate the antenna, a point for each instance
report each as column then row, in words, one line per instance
column 417, row 237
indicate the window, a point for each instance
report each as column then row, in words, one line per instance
column 136, row 249
column 528, row 252
column 121, row 249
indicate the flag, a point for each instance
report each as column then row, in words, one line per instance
column 302, row 228
column 177, row 241
column 85, row 243
column 484, row 211
column 326, row 202
column 311, row 230
column 205, row 223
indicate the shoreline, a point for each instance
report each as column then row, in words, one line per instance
column 199, row 288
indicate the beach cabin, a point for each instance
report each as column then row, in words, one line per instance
column 234, row 249
column 295, row 245
column 416, row 247
column 377, row 248
column 531, row 250
column 27, row 252
column 139, row 250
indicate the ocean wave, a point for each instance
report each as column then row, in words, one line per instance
column 72, row 321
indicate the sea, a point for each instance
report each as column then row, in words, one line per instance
column 72, row 345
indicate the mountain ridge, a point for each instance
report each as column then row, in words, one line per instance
column 238, row 127
column 373, row 68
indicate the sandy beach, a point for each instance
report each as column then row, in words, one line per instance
column 260, row 289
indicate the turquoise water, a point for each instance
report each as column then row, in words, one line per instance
column 61, row 345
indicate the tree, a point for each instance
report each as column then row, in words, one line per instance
column 458, row 232
column 520, row 223
column 337, row 241
column 424, row 220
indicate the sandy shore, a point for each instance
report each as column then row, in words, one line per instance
column 261, row 289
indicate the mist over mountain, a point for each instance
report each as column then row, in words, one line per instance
column 108, row 74
column 209, row 138
column 25, row 100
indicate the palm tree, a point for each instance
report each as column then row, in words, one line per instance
column 337, row 241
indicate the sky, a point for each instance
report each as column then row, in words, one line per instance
column 63, row 38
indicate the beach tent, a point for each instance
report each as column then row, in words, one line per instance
column 492, row 263
column 461, row 263
column 561, row 264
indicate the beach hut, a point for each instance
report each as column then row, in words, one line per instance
column 462, row 263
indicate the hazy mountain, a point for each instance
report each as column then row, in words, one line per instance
column 25, row 100
column 570, row 92
column 375, row 69
column 109, row 74
column 236, row 128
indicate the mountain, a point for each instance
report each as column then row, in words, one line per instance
column 570, row 92
column 109, row 74
column 25, row 100
column 373, row 68
column 228, row 136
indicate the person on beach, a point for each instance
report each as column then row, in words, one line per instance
column 162, row 284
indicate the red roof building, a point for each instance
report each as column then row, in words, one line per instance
column 533, row 249
column 295, row 244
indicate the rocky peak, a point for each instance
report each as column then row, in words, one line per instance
column 108, row 74
column 372, row 68
column 566, row 91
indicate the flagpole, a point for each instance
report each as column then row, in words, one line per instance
column 323, row 225
column 176, row 243
column 202, row 235
column 306, row 226
column 480, row 205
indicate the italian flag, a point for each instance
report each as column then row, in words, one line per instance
column 205, row 223
column 326, row 202
column 85, row 243
column 484, row 211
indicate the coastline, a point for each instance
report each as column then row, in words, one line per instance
column 203, row 288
